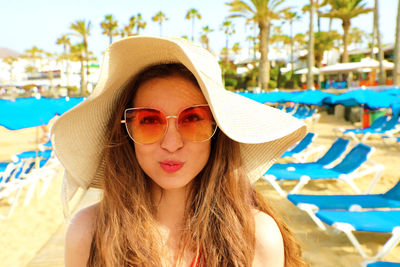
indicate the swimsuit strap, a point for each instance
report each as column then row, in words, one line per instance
column 196, row 260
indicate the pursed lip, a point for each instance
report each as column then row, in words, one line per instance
column 171, row 165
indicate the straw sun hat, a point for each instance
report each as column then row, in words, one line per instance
column 79, row 135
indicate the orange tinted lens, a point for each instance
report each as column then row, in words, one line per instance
column 196, row 123
column 145, row 126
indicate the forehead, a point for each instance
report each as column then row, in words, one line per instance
column 169, row 94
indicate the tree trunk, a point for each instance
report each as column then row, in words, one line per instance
column 382, row 74
column 193, row 29
column 110, row 37
column 87, row 66
column 264, row 62
column 310, row 55
column 254, row 41
column 372, row 55
column 83, row 83
column 291, row 50
column 396, row 70
column 346, row 26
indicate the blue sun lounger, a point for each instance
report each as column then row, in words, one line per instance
column 23, row 174
column 378, row 221
column 334, row 152
column 313, row 203
column 32, row 154
column 377, row 124
column 354, row 165
column 391, row 127
column 382, row 264
column 302, row 150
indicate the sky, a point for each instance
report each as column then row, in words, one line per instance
column 28, row 23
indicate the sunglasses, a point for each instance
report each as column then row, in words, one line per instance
column 148, row 125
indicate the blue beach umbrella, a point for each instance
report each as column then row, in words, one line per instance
column 271, row 97
column 370, row 99
column 259, row 97
column 30, row 112
column 393, row 91
column 311, row 97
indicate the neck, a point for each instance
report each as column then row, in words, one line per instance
column 170, row 206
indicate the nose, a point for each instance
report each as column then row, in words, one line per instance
column 172, row 140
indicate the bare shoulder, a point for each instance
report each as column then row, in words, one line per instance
column 79, row 237
column 269, row 242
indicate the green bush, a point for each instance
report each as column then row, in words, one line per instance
column 230, row 82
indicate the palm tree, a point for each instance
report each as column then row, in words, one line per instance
column 357, row 36
column 110, row 27
column 310, row 50
column 34, row 54
column 236, row 48
column 204, row 40
column 66, row 43
column 228, row 28
column 396, row 70
column 300, row 40
column 82, row 29
column 193, row 14
column 291, row 17
column 261, row 12
column 78, row 54
column 160, row 18
column 317, row 9
column 128, row 29
column 140, row 23
column 324, row 41
column 382, row 74
column 346, row 10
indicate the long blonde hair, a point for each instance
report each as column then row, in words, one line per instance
column 219, row 220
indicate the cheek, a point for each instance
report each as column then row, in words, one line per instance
column 199, row 155
column 144, row 155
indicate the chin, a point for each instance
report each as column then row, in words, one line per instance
column 171, row 183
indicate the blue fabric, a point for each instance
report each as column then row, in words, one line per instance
column 378, row 123
column 307, row 97
column 313, row 173
column 338, row 202
column 333, row 153
column 396, row 108
column 389, row 125
column 31, row 112
column 311, row 97
column 3, row 166
column 394, row 193
column 357, row 156
column 303, row 144
column 393, row 91
column 371, row 99
column 383, row 264
column 301, row 111
column 271, row 97
column 370, row 221
column 391, row 199
column 32, row 154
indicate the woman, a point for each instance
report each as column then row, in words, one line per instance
column 174, row 154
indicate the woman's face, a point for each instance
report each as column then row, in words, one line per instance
column 171, row 162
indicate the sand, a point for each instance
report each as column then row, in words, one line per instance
column 30, row 227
